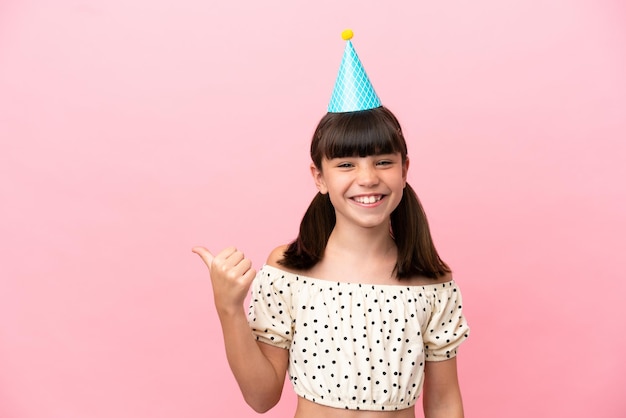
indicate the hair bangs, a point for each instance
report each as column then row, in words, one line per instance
column 359, row 139
column 364, row 133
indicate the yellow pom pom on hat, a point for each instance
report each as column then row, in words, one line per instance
column 353, row 90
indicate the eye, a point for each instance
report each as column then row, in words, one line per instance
column 345, row 164
column 387, row 160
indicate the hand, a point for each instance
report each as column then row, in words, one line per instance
column 231, row 276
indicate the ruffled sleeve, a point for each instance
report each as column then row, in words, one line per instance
column 269, row 315
column 447, row 327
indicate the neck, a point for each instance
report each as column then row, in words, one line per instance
column 362, row 242
column 364, row 255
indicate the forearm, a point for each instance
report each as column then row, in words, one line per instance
column 444, row 410
column 442, row 394
column 255, row 373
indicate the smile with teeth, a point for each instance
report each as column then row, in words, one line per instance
column 367, row 200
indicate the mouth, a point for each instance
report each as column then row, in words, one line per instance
column 368, row 200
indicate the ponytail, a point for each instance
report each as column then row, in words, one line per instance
column 315, row 228
column 416, row 251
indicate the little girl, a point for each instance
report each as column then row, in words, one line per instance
column 359, row 309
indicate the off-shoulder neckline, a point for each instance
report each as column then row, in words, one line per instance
column 400, row 285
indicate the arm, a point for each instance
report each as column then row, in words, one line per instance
column 258, row 368
column 442, row 395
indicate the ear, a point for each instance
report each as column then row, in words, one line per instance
column 318, row 178
column 405, row 169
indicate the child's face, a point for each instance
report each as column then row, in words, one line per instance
column 363, row 190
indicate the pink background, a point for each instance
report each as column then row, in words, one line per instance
column 132, row 130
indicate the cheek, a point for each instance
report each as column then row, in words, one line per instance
column 333, row 184
column 395, row 180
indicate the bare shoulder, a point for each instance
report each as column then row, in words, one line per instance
column 276, row 255
column 445, row 278
column 422, row 280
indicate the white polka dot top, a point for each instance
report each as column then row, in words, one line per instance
column 356, row 346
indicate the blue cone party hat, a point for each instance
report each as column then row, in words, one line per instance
column 353, row 90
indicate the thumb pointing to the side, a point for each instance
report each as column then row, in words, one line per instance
column 205, row 254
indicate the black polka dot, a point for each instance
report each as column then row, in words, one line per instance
column 350, row 327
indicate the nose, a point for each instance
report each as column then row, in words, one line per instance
column 367, row 176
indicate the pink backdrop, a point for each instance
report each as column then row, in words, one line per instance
column 132, row 130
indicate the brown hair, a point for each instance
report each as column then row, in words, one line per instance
column 368, row 132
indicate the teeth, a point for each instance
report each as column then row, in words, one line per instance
column 368, row 199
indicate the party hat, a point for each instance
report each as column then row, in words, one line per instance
column 353, row 90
